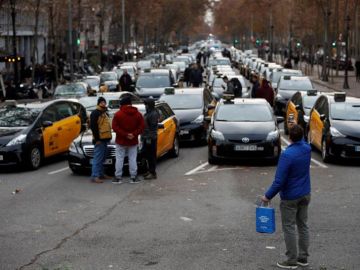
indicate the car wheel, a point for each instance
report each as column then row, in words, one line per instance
column 325, row 152
column 76, row 170
column 211, row 159
column 34, row 158
column 174, row 152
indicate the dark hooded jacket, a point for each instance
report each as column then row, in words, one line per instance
column 151, row 118
column 127, row 120
column 266, row 92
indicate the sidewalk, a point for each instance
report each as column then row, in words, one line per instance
column 335, row 83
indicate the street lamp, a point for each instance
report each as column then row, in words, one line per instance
column 346, row 83
column 13, row 17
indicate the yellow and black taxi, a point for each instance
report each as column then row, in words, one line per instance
column 243, row 129
column 286, row 87
column 334, row 126
column 298, row 109
column 34, row 131
column 191, row 107
column 81, row 151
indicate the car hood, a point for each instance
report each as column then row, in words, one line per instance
column 186, row 116
column 7, row 134
column 347, row 128
column 238, row 130
column 286, row 94
column 151, row 91
column 87, row 138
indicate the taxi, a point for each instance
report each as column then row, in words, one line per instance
column 32, row 132
column 243, row 129
column 298, row 109
column 81, row 151
column 191, row 107
column 334, row 126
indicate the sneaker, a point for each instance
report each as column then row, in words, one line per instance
column 117, row 180
column 150, row 176
column 97, row 180
column 302, row 262
column 134, row 180
column 146, row 174
column 287, row 265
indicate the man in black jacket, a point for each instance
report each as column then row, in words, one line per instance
column 149, row 137
column 125, row 81
column 101, row 129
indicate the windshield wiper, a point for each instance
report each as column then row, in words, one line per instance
column 222, row 120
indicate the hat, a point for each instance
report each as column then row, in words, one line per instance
column 225, row 78
column 125, row 101
column 101, row 99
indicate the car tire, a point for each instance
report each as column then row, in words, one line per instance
column 34, row 158
column 175, row 150
column 325, row 152
column 76, row 170
column 212, row 160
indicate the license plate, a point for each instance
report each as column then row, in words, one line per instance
column 1, row 157
column 106, row 162
column 357, row 148
column 246, row 148
column 184, row 132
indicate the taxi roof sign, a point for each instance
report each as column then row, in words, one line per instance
column 287, row 77
column 339, row 96
column 169, row 91
column 312, row 92
column 228, row 97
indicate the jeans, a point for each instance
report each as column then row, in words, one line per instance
column 295, row 212
column 121, row 152
column 100, row 151
column 150, row 154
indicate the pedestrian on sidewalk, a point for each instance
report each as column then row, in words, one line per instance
column 101, row 129
column 292, row 180
column 128, row 124
column 149, row 138
column 357, row 66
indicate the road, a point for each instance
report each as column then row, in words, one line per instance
column 194, row 216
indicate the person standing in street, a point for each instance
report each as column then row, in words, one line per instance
column 125, row 81
column 128, row 124
column 196, row 78
column 266, row 92
column 100, row 126
column 357, row 67
column 292, row 180
column 255, row 86
column 149, row 137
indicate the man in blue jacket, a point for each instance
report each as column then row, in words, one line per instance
column 292, row 180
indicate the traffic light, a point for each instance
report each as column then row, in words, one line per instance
column 78, row 41
column 298, row 44
column 10, row 59
column 257, row 42
column 333, row 44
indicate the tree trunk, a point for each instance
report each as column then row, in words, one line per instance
column 37, row 11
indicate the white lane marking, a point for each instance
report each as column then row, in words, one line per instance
column 197, row 168
column 313, row 160
column 186, row 219
column 57, row 171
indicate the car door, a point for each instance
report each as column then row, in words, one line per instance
column 69, row 124
column 165, row 133
column 51, row 131
column 291, row 112
column 316, row 125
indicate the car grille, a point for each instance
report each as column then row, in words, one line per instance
column 250, row 142
column 89, row 151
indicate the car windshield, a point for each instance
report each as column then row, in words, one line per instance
column 296, row 85
column 183, row 102
column 244, row 113
column 144, row 64
column 70, row 90
column 89, row 102
column 92, row 82
column 11, row 116
column 275, row 76
column 309, row 101
column 153, row 81
column 108, row 77
column 345, row 111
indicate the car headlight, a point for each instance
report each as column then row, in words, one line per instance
column 73, row 148
column 217, row 135
column 334, row 132
column 199, row 119
column 17, row 140
column 273, row 135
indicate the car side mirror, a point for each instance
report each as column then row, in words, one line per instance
column 83, row 127
column 175, row 85
column 248, row 87
column 46, row 124
column 297, row 106
column 161, row 126
column 322, row 117
column 279, row 119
